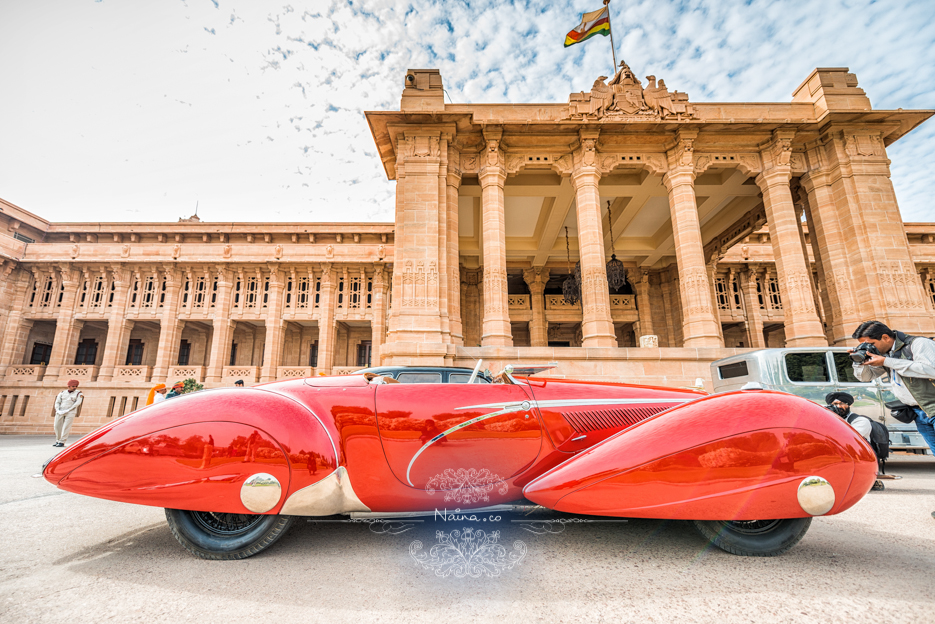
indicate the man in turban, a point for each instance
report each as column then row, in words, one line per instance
column 178, row 389
column 157, row 394
column 876, row 434
column 66, row 408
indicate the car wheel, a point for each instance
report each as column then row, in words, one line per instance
column 754, row 538
column 212, row 535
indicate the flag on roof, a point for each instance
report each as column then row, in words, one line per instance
column 593, row 23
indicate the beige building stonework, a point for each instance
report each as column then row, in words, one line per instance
column 741, row 226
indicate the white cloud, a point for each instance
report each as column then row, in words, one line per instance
column 120, row 111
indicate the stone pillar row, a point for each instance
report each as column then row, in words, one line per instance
column 16, row 328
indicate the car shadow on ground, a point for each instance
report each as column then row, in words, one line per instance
column 339, row 565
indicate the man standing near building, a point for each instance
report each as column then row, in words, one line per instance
column 66, row 408
column 910, row 362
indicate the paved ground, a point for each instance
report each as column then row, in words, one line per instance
column 67, row 558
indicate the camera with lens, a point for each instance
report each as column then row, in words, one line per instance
column 863, row 352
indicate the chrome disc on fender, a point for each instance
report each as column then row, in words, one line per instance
column 816, row 496
column 260, row 493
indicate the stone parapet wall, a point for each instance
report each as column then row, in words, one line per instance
column 675, row 367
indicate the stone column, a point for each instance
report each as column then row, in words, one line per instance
column 802, row 326
column 536, row 279
column 378, row 324
column 64, row 324
column 272, row 348
column 222, row 329
column 167, row 353
column 118, row 328
column 453, row 183
column 223, row 335
column 326, row 320
column 597, row 327
column 671, row 309
column 17, row 330
column 496, row 326
column 472, row 309
column 876, row 266
column 711, row 269
column 700, row 326
column 418, row 324
column 830, row 249
column 751, row 302
column 643, row 306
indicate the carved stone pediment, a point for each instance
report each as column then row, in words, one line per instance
column 625, row 98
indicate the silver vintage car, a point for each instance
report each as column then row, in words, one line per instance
column 811, row 373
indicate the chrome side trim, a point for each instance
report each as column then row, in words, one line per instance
column 575, row 402
column 332, row 495
column 509, row 408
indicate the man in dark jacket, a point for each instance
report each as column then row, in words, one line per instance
column 840, row 403
column 177, row 390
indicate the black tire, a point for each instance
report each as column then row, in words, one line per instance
column 223, row 536
column 756, row 538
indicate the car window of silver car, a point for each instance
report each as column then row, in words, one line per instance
column 843, row 366
column 423, row 378
column 809, row 367
column 462, row 378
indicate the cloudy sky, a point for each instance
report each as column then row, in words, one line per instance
column 130, row 110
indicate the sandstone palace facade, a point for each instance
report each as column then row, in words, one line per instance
column 738, row 226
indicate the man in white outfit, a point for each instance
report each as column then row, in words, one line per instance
column 66, row 408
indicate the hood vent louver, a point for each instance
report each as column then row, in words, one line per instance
column 594, row 420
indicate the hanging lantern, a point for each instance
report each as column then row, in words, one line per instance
column 571, row 287
column 616, row 272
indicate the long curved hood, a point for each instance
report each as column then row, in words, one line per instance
column 738, row 456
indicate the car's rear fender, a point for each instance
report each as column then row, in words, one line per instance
column 197, row 452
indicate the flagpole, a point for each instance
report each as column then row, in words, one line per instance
column 613, row 48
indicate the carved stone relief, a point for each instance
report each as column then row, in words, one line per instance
column 625, row 99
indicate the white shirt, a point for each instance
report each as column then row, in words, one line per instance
column 68, row 402
column 862, row 425
column 921, row 365
column 159, row 398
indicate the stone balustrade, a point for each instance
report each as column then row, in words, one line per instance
column 81, row 372
column 294, row 372
column 250, row 374
column 187, row 372
column 29, row 372
column 623, row 302
column 557, row 302
column 518, row 302
column 133, row 373
column 344, row 370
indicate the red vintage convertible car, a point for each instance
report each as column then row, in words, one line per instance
column 234, row 467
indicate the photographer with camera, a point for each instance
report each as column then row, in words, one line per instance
column 910, row 362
